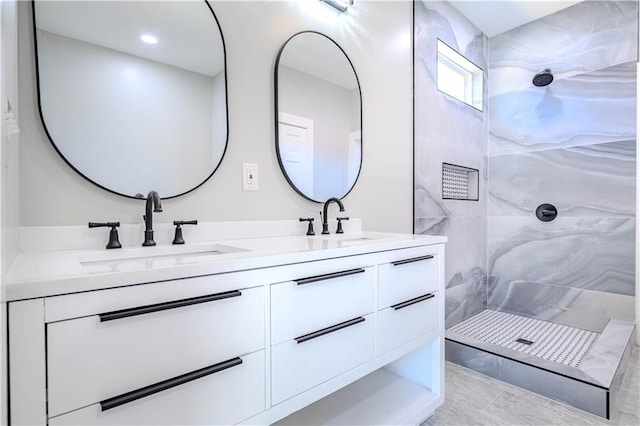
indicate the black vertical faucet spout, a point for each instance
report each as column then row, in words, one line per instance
column 153, row 202
column 325, row 224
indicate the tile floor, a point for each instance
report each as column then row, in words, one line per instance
column 475, row 399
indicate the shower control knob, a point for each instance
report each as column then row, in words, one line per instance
column 546, row 212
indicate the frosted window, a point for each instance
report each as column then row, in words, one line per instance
column 458, row 77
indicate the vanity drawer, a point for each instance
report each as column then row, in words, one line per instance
column 298, row 365
column 405, row 321
column 93, row 358
column 223, row 397
column 301, row 306
column 408, row 277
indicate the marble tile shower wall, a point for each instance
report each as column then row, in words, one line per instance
column 571, row 144
column 450, row 131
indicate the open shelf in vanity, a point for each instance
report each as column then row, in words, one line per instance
column 382, row 397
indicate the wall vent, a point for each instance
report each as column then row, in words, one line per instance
column 459, row 182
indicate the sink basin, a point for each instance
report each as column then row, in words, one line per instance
column 349, row 240
column 157, row 252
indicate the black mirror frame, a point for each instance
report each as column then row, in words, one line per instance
column 277, row 64
column 46, row 130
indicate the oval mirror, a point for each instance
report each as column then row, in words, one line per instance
column 318, row 117
column 133, row 95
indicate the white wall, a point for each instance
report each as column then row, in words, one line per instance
column 9, row 201
column 109, row 111
column 9, row 189
column 376, row 35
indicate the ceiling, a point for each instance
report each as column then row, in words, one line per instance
column 188, row 34
column 188, row 24
column 496, row 17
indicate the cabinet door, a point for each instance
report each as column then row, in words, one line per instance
column 311, row 303
column 408, row 320
column 225, row 397
column 407, row 278
column 94, row 358
column 297, row 365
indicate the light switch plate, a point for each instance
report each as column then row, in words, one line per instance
column 249, row 177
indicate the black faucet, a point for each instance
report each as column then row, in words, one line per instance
column 325, row 225
column 152, row 198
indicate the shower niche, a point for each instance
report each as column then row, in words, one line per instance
column 459, row 182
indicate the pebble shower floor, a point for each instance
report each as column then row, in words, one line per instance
column 553, row 342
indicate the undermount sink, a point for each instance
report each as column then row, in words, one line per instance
column 142, row 253
column 347, row 240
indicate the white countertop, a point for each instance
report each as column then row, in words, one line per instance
column 49, row 273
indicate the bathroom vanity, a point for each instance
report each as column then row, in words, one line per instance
column 323, row 329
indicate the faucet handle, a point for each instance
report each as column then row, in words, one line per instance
column 113, row 243
column 177, row 238
column 340, row 219
column 310, row 230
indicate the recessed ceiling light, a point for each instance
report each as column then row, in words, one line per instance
column 148, row 39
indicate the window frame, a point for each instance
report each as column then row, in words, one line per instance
column 472, row 75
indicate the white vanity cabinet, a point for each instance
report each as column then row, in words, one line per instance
column 408, row 299
column 102, row 357
column 249, row 346
column 322, row 325
column 194, row 359
column 224, row 397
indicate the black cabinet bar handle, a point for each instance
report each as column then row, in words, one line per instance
column 141, row 310
column 413, row 301
column 316, row 278
column 413, row 259
column 125, row 398
column 328, row 330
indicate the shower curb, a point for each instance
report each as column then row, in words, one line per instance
column 570, row 385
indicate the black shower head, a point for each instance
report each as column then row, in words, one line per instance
column 543, row 78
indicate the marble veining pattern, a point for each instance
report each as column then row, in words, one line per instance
column 571, row 144
column 606, row 354
column 574, row 307
column 585, row 109
column 575, row 40
column 592, row 254
column 592, row 180
column 465, row 253
column 464, row 301
column 447, row 130
column 428, row 176
column 464, row 256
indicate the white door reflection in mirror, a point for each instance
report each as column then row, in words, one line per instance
column 316, row 80
column 127, row 115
